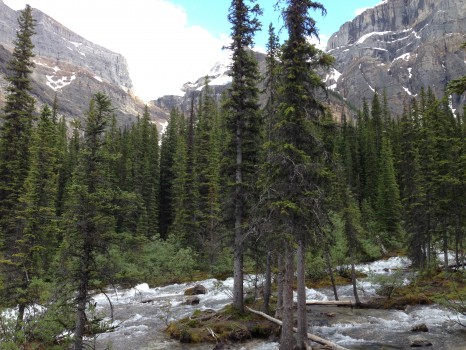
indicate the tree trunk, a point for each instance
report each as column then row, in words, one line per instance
column 81, row 299
column 20, row 317
column 238, row 302
column 330, row 271
column 238, row 276
column 287, row 341
column 445, row 248
column 353, row 278
column 302, row 310
column 268, row 283
column 280, row 278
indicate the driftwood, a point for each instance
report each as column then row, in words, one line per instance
column 331, row 302
column 310, row 336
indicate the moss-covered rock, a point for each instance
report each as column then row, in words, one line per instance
column 224, row 326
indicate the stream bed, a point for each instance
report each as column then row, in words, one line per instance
column 141, row 325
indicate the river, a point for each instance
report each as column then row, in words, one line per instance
column 141, row 325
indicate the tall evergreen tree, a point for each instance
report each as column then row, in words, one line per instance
column 207, row 176
column 90, row 222
column 15, row 139
column 41, row 236
column 297, row 149
column 243, row 124
column 411, row 190
column 146, row 171
column 167, row 174
column 388, row 206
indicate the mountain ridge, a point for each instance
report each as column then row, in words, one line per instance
column 72, row 68
column 400, row 46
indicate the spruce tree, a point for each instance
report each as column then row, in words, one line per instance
column 298, row 150
column 41, row 236
column 388, row 206
column 207, row 177
column 90, row 223
column 15, row 133
column 15, row 139
column 243, row 124
column 167, row 174
column 411, row 190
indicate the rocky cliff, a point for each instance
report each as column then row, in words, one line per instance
column 73, row 68
column 400, row 46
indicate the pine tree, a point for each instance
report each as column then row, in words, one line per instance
column 207, row 176
column 297, row 149
column 41, row 235
column 411, row 190
column 167, row 174
column 15, row 138
column 146, row 170
column 90, row 222
column 16, row 129
column 265, row 227
column 243, row 124
column 388, row 206
column 368, row 155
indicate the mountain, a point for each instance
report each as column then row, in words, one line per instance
column 72, row 67
column 400, row 46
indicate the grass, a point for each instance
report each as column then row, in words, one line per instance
column 432, row 286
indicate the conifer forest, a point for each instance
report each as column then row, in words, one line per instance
column 263, row 179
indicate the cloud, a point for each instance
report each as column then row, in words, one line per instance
column 357, row 12
column 322, row 44
column 162, row 50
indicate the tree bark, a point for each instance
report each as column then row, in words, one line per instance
column 268, row 283
column 81, row 299
column 238, row 302
column 20, row 317
column 302, row 310
column 330, row 271
column 280, row 277
column 287, row 340
column 445, row 248
column 353, row 277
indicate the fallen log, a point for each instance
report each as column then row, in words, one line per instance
column 310, row 336
column 331, row 302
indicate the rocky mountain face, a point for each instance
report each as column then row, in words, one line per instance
column 73, row 68
column 400, row 46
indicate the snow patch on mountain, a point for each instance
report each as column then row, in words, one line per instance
column 57, row 83
column 366, row 36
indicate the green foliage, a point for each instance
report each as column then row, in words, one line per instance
column 165, row 261
column 388, row 284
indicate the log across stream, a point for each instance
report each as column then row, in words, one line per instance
column 141, row 325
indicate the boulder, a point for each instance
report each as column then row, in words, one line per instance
column 191, row 300
column 417, row 341
column 420, row 328
column 196, row 290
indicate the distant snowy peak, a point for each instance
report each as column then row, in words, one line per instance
column 219, row 68
column 217, row 76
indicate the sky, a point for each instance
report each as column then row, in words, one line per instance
column 170, row 42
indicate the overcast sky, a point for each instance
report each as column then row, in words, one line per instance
column 170, row 42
